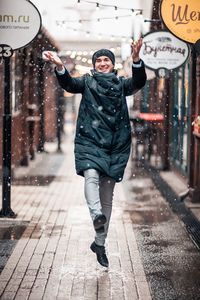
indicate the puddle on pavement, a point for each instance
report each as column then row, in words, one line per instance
column 10, row 230
column 10, row 233
column 33, row 180
column 39, row 180
column 157, row 244
column 149, row 217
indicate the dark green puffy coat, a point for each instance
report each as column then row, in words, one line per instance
column 103, row 133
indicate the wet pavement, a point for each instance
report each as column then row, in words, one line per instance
column 10, row 233
column 52, row 259
column 149, row 249
column 171, row 260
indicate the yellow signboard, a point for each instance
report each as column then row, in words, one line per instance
column 182, row 18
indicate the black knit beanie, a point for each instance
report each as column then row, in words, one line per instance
column 103, row 52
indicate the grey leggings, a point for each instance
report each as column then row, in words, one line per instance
column 99, row 195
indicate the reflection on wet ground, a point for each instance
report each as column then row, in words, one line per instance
column 149, row 217
column 171, row 260
column 33, row 180
column 38, row 180
column 12, row 230
column 10, row 233
column 41, row 171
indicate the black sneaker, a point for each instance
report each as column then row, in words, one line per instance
column 99, row 222
column 101, row 254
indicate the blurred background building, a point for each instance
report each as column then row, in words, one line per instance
column 75, row 29
column 81, row 27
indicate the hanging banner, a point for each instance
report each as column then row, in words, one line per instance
column 162, row 50
column 20, row 22
column 182, row 18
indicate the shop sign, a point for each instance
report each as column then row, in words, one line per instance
column 161, row 51
column 182, row 18
column 20, row 22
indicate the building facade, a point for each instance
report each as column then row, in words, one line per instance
column 177, row 99
column 34, row 96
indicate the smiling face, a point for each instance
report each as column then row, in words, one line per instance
column 104, row 64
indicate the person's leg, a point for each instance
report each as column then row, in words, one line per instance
column 91, row 190
column 93, row 199
column 106, row 187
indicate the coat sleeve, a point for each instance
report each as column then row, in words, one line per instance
column 132, row 85
column 71, row 84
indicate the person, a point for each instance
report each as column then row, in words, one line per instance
column 103, row 132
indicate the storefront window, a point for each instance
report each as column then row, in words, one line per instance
column 145, row 98
column 179, row 132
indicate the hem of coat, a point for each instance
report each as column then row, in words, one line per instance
column 80, row 173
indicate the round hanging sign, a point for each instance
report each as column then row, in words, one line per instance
column 162, row 50
column 182, row 18
column 20, row 22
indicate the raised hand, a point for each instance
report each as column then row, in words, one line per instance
column 55, row 59
column 136, row 46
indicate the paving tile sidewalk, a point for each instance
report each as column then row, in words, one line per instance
column 52, row 259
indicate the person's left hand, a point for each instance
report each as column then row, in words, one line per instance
column 136, row 46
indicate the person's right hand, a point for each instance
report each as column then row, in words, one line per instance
column 55, row 59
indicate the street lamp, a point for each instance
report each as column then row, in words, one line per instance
column 6, row 52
